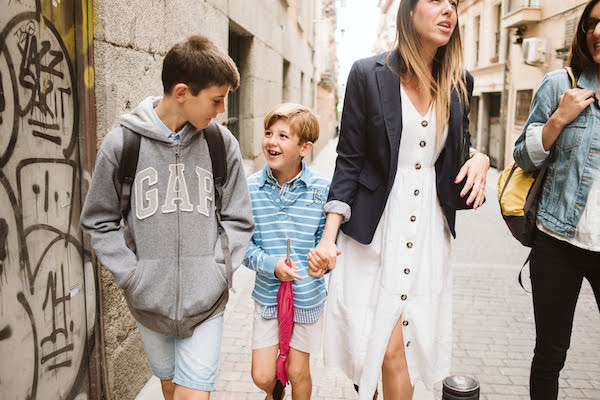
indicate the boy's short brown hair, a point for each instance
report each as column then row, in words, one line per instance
column 198, row 63
column 303, row 122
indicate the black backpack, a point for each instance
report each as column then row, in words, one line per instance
column 218, row 158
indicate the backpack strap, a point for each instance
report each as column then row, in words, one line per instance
column 218, row 158
column 127, row 168
column 523, row 270
column 571, row 77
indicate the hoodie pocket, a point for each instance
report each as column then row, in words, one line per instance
column 202, row 284
column 152, row 288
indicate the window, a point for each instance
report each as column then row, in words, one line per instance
column 498, row 29
column 570, row 28
column 477, row 31
column 524, row 98
column 286, row 86
column 233, row 98
column 300, row 13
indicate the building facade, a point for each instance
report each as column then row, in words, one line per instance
column 484, row 47
column 67, row 72
column 541, row 33
column 509, row 46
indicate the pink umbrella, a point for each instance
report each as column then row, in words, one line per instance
column 285, row 317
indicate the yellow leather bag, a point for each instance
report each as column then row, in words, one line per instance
column 519, row 194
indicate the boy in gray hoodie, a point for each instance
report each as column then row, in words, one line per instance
column 175, row 282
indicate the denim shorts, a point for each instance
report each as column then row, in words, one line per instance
column 191, row 362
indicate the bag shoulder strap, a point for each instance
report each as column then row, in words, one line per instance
column 218, row 158
column 571, row 77
column 127, row 167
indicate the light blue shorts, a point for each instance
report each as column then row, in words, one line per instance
column 191, row 362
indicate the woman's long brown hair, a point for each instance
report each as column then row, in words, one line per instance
column 580, row 58
column 448, row 71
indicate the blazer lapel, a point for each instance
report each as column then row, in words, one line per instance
column 389, row 92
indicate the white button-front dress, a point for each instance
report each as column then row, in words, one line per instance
column 404, row 274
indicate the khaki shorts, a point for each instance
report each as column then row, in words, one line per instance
column 305, row 338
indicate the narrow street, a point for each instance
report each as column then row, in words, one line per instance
column 493, row 321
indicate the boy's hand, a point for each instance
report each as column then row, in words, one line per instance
column 285, row 273
column 317, row 263
column 322, row 258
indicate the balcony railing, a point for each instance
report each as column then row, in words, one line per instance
column 521, row 12
column 514, row 5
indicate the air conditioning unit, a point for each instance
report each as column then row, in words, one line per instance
column 534, row 51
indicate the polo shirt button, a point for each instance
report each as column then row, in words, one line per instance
column 417, row 166
column 416, row 192
column 405, row 323
column 413, row 218
column 276, row 200
column 423, row 143
column 407, row 271
column 424, row 124
column 409, row 245
column 403, row 297
column 408, row 344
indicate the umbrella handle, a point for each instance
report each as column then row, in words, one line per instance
column 278, row 391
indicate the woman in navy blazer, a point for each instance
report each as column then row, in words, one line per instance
column 422, row 79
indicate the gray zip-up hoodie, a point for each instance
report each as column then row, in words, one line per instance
column 176, row 279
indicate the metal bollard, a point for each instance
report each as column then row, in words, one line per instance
column 457, row 387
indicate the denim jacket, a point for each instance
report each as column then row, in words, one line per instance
column 576, row 156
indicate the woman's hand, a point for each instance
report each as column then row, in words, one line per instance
column 475, row 170
column 322, row 258
column 571, row 103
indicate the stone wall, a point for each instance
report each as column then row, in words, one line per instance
column 131, row 39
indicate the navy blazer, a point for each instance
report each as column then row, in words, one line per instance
column 369, row 144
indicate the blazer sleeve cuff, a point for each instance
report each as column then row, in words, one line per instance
column 338, row 207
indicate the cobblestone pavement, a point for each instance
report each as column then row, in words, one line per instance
column 493, row 321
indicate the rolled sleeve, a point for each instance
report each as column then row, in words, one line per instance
column 534, row 145
column 338, row 207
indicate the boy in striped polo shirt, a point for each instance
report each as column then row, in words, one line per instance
column 287, row 203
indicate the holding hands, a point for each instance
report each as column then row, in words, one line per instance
column 322, row 258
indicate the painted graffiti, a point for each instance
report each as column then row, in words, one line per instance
column 44, row 315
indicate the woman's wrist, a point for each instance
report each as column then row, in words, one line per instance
column 478, row 153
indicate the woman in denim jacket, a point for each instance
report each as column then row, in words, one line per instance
column 564, row 124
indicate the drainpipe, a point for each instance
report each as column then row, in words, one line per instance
column 504, row 102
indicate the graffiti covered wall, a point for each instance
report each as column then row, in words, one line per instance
column 47, row 290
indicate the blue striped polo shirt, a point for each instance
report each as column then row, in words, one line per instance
column 294, row 212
